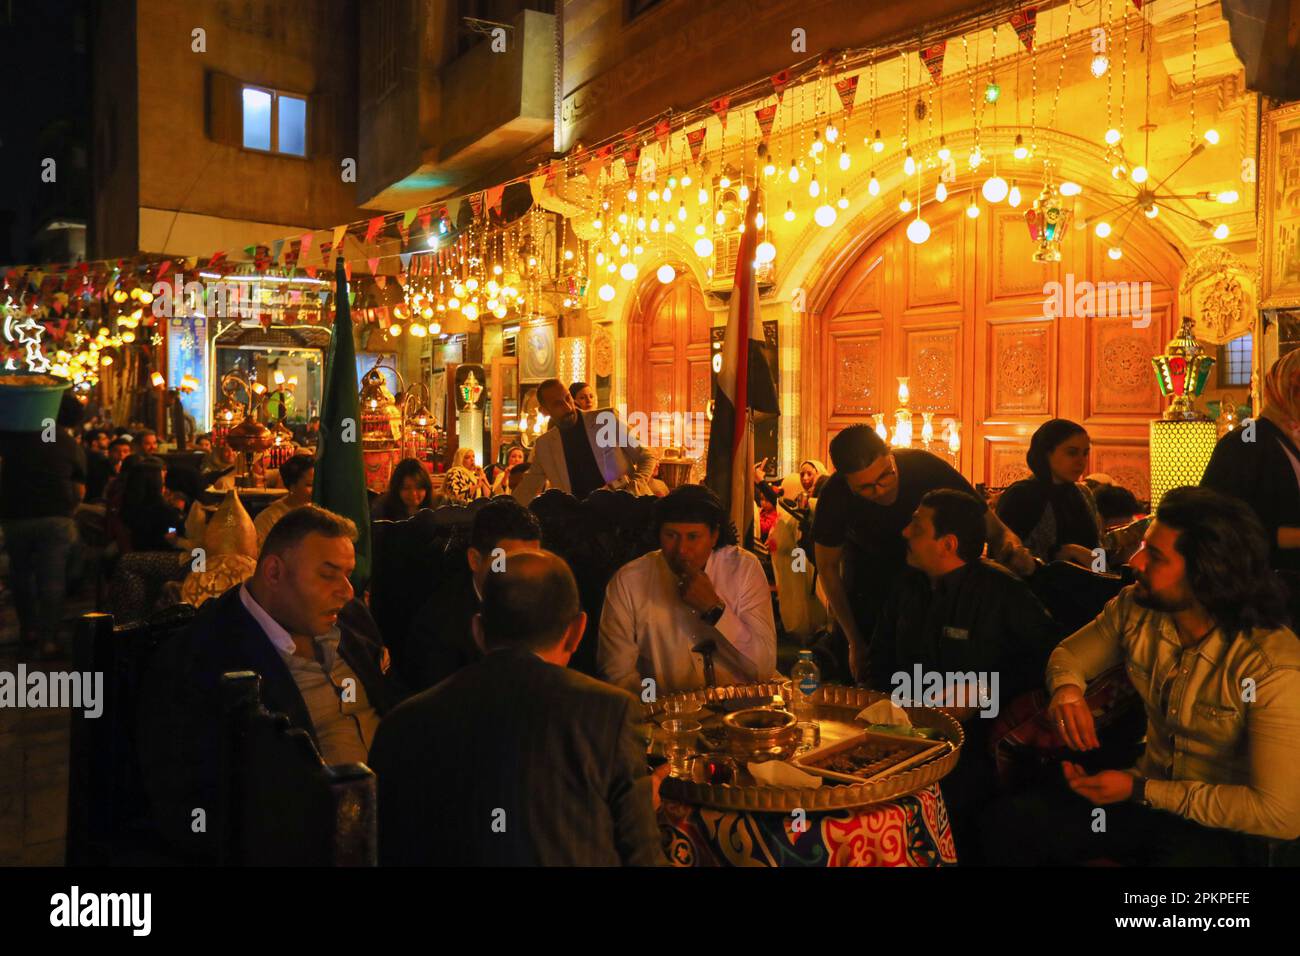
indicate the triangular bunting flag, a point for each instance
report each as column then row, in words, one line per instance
column 695, row 140
column 847, row 88
column 494, row 197
column 372, row 230
column 425, row 215
column 406, row 260
column 408, row 217
column 476, row 203
column 766, row 115
column 373, row 263
column 306, row 243
column 932, row 57
column 277, row 246
column 662, row 129
column 1023, row 22
column 631, row 156
column 339, row 233
column 779, row 82
column 719, row 107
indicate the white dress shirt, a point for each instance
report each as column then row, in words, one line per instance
column 647, row 630
column 344, row 727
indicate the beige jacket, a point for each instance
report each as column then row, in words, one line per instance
column 621, row 460
column 1223, row 749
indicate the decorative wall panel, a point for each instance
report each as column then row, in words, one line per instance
column 1020, row 368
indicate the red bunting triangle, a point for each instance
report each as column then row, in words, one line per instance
column 494, row 197
column 765, row 115
column 631, row 157
column 372, row 230
column 720, row 106
column 932, row 57
column 1024, row 22
column 847, row 88
column 779, row 82
column 695, row 140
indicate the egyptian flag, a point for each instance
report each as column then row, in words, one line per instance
column 340, row 482
column 744, row 384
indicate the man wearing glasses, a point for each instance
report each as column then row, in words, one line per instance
column 860, row 551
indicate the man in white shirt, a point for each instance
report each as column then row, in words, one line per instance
column 699, row 590
column 585, row 451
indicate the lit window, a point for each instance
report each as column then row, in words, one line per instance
column 257, row 118
column 293, row 125
column 274, row 122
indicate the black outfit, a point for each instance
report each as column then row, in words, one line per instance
column 179, row 715
column 514, row 761
column 584, row 473
column 38, row 478
column 150, row 523
column 441, row 639
column 389, row 509
column 1053, row 825
column 979, row 618
column 98, row 471
column 871, row 534
column 1260, row 474
column 1021, row 507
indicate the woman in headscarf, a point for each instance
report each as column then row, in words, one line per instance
column 1054, row 512
column 1259, row 462
column 466, row 458
column 801, row 488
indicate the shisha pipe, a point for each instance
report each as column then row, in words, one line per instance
column 705, row 649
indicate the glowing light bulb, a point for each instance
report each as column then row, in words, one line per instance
column 1099, row 65
column 793, row 175
column 1151, row 211
column 1070, row 188
column 945, row 153
column 843, row 201
column 845, row 161
column 918, row 230
column 769, row 169
column 832, row 132
column 670, row 226
column 1013, row 197
column 1119, row 171
column 704, row 247
column 873, row 186
column 686, row 179
column 720, row 218
column 1102, row 229
column 597, row 225
column 724, row 182
column 631, row 195
column 681, row 211
column 814, row 187
column 1212, row 136
column 824, row 215
column 667, row 194
column 743, row 193
column 702, row 197
column 1021, row 150
column 1227, row 197
column 600, row 261
column 1112, row 136
column 976, row 157
column 1221, row 231
column 640, row 225
column 470, row 312
column 877, row 144
column 1139, row 174
column 991, row 92
column 995, row 189
column 940, row 192
column 394, row 330
column 789, row 211
column 1115, row 252
column 909, row 164
column 666, row 273
column 759, row 219
column 765, row 252
column 654, row 224
column 905, row 205
column 471, row 284
column 606, row 293
column 972, row 210
column 699, row 228
column 817, row 145
column 637, row 249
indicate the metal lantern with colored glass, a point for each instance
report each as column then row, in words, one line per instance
column 1181, row 372
column 1183, row 441
column 1048, row 219
column 381, row 430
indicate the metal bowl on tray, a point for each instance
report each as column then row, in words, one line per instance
column 759, row 733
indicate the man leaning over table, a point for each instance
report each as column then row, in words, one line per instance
column 1202, row 636
column 699, row 589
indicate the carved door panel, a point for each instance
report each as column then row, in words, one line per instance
column 668, row 358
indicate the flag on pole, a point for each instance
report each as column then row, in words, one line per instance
column 340, row 470
column 744, row 385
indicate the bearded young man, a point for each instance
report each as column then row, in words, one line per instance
column 1203, row 637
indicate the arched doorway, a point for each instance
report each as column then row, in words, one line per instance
column 962, row 316
column 669, row 355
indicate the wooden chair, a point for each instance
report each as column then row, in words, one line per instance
column 281, row 805
column 108, row 810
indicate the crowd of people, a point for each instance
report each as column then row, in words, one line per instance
column 886, row 563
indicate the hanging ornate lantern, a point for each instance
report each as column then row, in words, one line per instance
column 381, row 419
column 1048, row 220
column 1182, row 372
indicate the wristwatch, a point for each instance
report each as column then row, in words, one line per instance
column 713, row 615
column 1139, row 794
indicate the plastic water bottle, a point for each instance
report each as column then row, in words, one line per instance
column 805, row 678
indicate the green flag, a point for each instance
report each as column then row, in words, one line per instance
column 340, row 471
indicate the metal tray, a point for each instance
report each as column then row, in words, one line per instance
column 836, row 709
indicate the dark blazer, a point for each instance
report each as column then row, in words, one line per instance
column 514, row 761
column 441, row 639
column 179, row 720
column 1260, row 474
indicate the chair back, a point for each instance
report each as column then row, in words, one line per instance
column 282, row 806
column 108, row 810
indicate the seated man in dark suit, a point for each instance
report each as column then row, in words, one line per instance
column 518, row 760
column 963, row 633
column 441, row 640
column 295, row 623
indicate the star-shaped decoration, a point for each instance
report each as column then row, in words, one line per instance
column 36, row 360
column 29, row 332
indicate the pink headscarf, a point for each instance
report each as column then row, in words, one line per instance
column 1282, row 393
